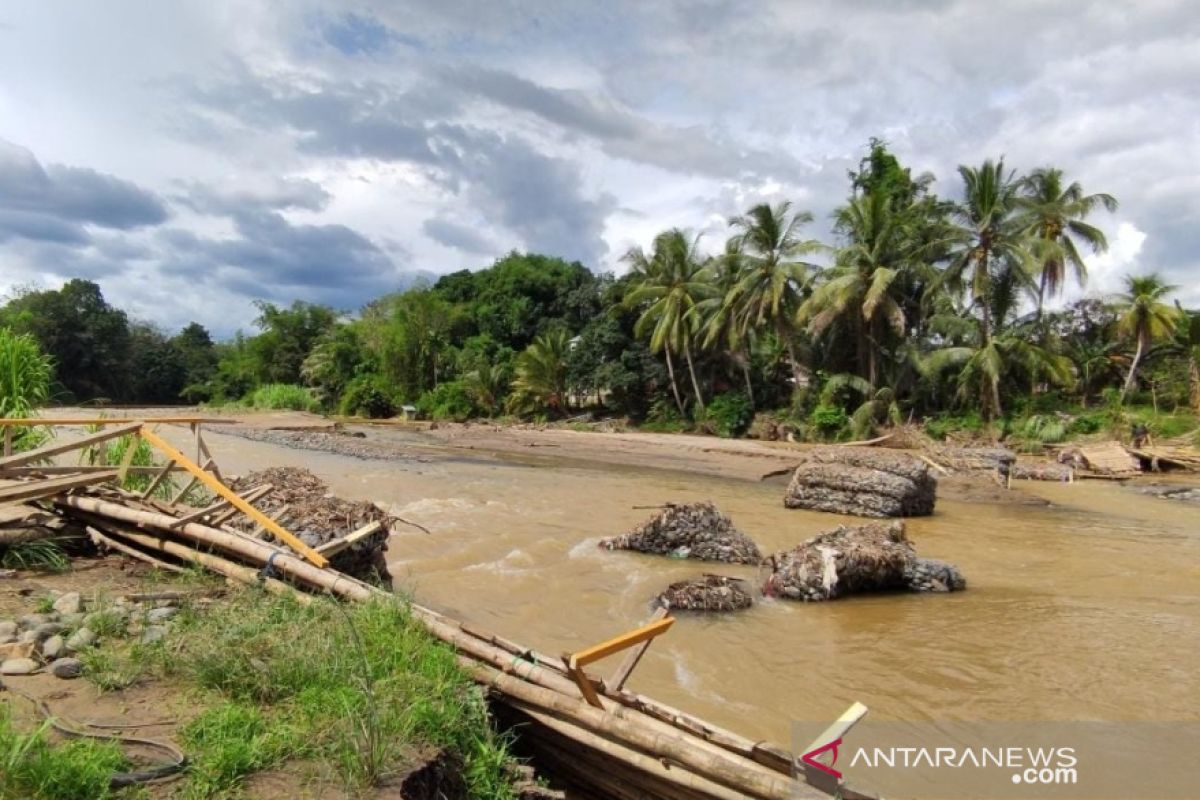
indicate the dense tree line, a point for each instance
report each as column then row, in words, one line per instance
column 920, row 306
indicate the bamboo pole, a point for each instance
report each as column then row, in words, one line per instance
column 58, row 448
column 100, row 538
column 25, row 422
column 691, row 783
column 223, row 566
column 724, row 769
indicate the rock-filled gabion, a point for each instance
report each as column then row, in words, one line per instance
column 318, row 517
column 968, row 459
column 706, row 593
column 931, row 575
column 867, row 482
column 857, row 558
column 691, row 530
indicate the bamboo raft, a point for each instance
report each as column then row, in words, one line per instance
column 594, row 736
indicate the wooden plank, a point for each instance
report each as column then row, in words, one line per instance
column 619, row 643
column 330, row 549
column 126, row 462
column 187, row 487
column 33, row 490
column 277, row 517
column 8, row 440
column 68, row 469
column 311, row 555
column 584, row 683
column 250, row 495
column 159, row 478
column 202, row 447
column 105, row 421
column 65, row 447
column 633, row 657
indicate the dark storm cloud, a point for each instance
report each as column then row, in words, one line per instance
column 53, row 203
column 281, row 194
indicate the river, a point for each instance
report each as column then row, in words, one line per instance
column 1084, row 609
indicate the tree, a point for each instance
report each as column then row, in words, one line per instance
column 1053, row 218
column 1145, row 318
column 87, row 338
column 990, row 256
column 541, row 379
column 883, row 256
column 673, row 282
column 157, row 370
column 719, row 314
column 769, row 292
column 199, row 359
column 288, row 335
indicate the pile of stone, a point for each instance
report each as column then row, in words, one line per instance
column 1043, row 471
column 52, row 639
column 864, row 481
column 975, row 459
column 690, row 530
column 706, row 593
column 302, row 503
column 931, row 575
column 853, row 559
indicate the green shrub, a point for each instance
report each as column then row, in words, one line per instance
column 663, row 417
column 1040, row 429
column 729, row 415
column 24, row 385
column 282, row 396
column 1083, row 424
column 449, row 401
column 368, row 396
column 828, row 420
column 944, row 424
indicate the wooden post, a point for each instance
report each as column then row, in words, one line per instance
column 224, row 491
column 633, row 657
column 575, row 662
column 8, row 439
column 58, row 448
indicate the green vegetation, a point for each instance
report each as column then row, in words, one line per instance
column 924, row 307
column 25, row 374
column 33, row 769
column 373, row 691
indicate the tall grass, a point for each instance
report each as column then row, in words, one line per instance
column 283, row 397
column 25, row 374
column 372, row 688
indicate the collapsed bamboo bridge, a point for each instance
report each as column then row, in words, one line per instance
column 593, row 735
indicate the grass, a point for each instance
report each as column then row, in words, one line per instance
column 371, row 689
column 44, row 555
column 33, row 769
column 24, row 385
column 282, row 396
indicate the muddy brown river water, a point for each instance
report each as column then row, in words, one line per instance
column 1085, row 609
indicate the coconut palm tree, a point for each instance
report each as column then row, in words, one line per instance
column 541, row 373
column 769, row 291
column 673, row 282
column 1145, row 318
column 1053, row 218
column 990, row 252
column 883, row 257
column 720, row 323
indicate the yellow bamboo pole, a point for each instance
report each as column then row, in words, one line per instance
column 315, row 558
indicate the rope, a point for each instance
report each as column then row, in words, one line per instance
column 168, row 769
column 268, row 570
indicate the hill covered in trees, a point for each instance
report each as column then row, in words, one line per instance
column 918, row 306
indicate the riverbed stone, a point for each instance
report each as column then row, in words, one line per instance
column 66, row 668
column 72, row 620
column 81, row 639
column 153, row 633
column 69, row 603
column 8, row 627
column 48, row 629
column 27, row 637
column 158, row 615
column 33, row 620
column 18, row 666
column 54, row 647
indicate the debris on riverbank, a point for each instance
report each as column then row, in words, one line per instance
column 853, row 559
column 975, row 459
column 690, row 530
column 707, row 593
column 866, row 482
column 301, row 501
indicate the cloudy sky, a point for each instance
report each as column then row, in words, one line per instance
column 194, row 156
